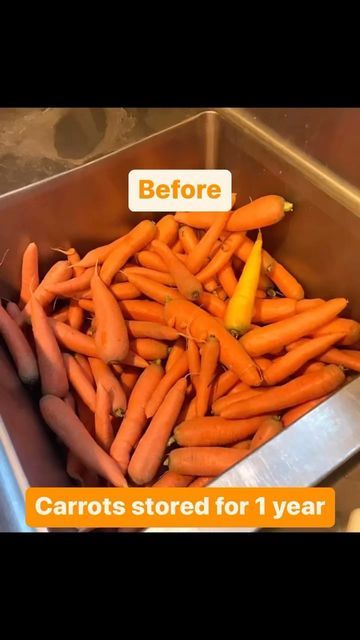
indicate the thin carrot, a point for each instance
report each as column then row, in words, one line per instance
column 65, row 423
column 215, row 431
column 68, row 288
column 75, row 315
column 345, row 357
column 125, row 291
column 19, row 348
column 261, row 212
column 72, row 339
column 268, row 429
column 153, row 289
column 150, row 260
column 223, row 384
column 166, row 230
column 301, row 389
column 350, row 328
column 103, row 375
column 104, row 432
column 198, row 257
column 194, row 362
column 177, row 248
column 144, row 310
column 221, row 258
column 244, row 250
column 149, row 349
column 57, row 273
column 227, row 279
column 209, row 360
column 29, row 273
column 134, row 360
column 111, row 338
column 134, row 241
column 176, row 352
column 80, row 381
column 128, row 381
column 285, row 281
column 160, row 276
column 171, row 479
column 311, row 367
column 213, row 304
column 243, row 444
column 84, row 364
column 142, row 329
column 277, row 335
column 149, row 453
column 222, row 404
column 273, row 310
column 204, row 461
column 188, row 238
column 99, row 255
column 186, row 282
column 300, row 410
column 177, row 371
column 134, row 422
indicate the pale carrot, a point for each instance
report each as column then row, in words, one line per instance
column 177, row 371
column 68, row 288
column 103, row 375
column 14, row 312
column 104, row 432
column 133, row 242
column 19, row 348
column 111, row 337
column 204, row 461
column 84, row 364
column 187, row 284
column 80, row 381
column 209, row 360
column 160, row 276
column 99, row 255
column 215, row 431
column 29, row 273
column 59, row 272
column 75, row 315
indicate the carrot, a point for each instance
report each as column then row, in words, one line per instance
column 68, row 288
column 204, row 461
column 29, row 273
column 179, row 369
column 243, row 444
column 286, row 282
column 75, row 316
column 151, row 260
column 240, row 386
column 134, row 241
column 350, row 328
column 211, row 285
column 134, row 360
column 19, row 348
column 291, row 362
column 152, row 274
column 134, row 422
column 194, row 362
column 185, row 281
column 345, row 357
column 221, row 293
column 154, row 290
column 111, row 338
column 103, row 375
column 99, row 255
column 67, row 426
column 128, row 381
column 245, row 248
column 201, row 481
column 267, row 311
column 86, row 416
column 300, row 410
column 278, row 334
column 222, row 404
column 84, row 364
column 308, row 303
column 223, row 384
column 167, row 230
column 149, row 349
column 188, row 238
column 198, row 257
column 304, row 388
column 57, row 273
column 209, row 360
column 104, row 432
column 142, row 329
column 189, row 411
column 149, row 453
column 144, row 310
column 215, row 431
column 176, row 351
column 171, row 479
column 261, row 212
column 80, row 381
column 268, row 429
column 262, row 363
column 85, row 304
column 213, row 304
column 311, row 367
column 14, row 312
column 72, row 339
column 239, row 310
column 196, row 323
column 74, row 258
column 228, row 279
column 221, row 258
column 125, row 291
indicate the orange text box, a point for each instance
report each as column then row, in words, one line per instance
column 181, row 507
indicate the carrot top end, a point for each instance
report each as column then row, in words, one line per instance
column 288, row 206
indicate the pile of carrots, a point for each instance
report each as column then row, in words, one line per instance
column 170, row 354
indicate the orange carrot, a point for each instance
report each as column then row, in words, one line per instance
column 104, row 432
column 245, row 248
column 134, row 422
column 67, row 426
column 262, row 363
column 85, row 304
column 84, row 364
column 154, row 290
column 166, row 230
column 213, row 304
column 29, row 273
column 99, row 255
column 278, row 334
column 75, row 316
column 134, row 360
column 209, row 360
column 149, row 453
column 211, row 285
column 125, row 291
column 261, row 212
column 111, row 338
column 345, row 357
column 86, row 416
column 221, row 258
column 304, row 388
column 80, row 382
column 201, row 461
column 103, row 375
column 150, row 260
column 142, row 329
column 188, row 238
column 286, row 282
column 311, row 367
column 300, row 410
column 145, row 310
column 68, row 288
column 152, row 274
column 243, row 444
column 222, row 404
column 58, row 273
column 128, row 381
column 267, row 311
column 189, row 319
column 179, row 369
column 171, row 479
column 134, row 241
column 268, row 429
column 215, row 431
column 198, row 257
column 227, row 279
column 201, row 481
column 223, row 384
column 72, row 339
column 194, row 362
column 176, row 351
column 308, row 303
column 186, row 283
column 149, row 349
column 19, row 348
column 350, row 328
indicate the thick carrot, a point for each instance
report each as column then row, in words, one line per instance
column 134, row 360
column 177, row 371
column 212, row 304
column 194, row 361
column 199, row 256
column 186, row 282
column 223, row 384
column 188, row 238
column 345, row 357
column 209, row 360
column 19, row 348
column 277, row 335
column 144, row 310
column 68, row 288
column 72, row 339
column 103, row 375
column 189, row 319
column 304, row 388
column 111, row 337
column 300, row 410
column 291, row 362
column 149, row 453
column 160, row 276
column 134, row 241
column 84, row 364
column 65, row 423
column 201, row 481
column 128, row 380
column 29, row 273
column 149, row 349
column 167, row 230
column 350, row 328
column 104, row 432
column 268, row 429
column 50, row 361
column 138, row 329
column 75, row 315
column 125, row 291
column 59, row 272
column 204, row 461
column 171, row 479
column 80, row 381
column 285, row 281
column 215, row 431
column 222, row 404
column 150, row 260
column 273, row 310
column 261, row 212
column 14, row 312
column 134, row 422
column 311, row 367
column 176, row 351
column 227, row 279
column 221, row 258
column 153, row 289
column 308, row 303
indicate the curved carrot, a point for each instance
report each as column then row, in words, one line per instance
column 84, row 364
column 146, row 310
column 166, row 230
column 228, row 279
column 261, row 212
column 133, row 242
column 268, row 429
column 72, row 339
column 134, row 422
column 176, row 351
column 212, row 304
column 154, row 290
column 209, row 360
column 189, row 319
column 142, row 329
column 59, row 272
column 111, row 337
column 104, row 432
column 300, row 410
column 104, row 376
column 215, row 431
column 179, row 369
column 29, row 273
column 80, row 381
column 149, row 453
column 150, row 260
column 128, row 380
column 304, row 388
column 75, row 315
column 285, row 281
column 19, row 348
column 171, row 479
column 152, row 274
column 204, row 461
column 99, row 255
column 188, row 238
column 221, row 258
column 186, row 282
column 350, row 328
column 223, row 384
column 345, row 357
column 68, row 288
column 277, row 335
column 149, row 349
column 273, row 310
column 194, row 362
column 67, row 426
column 199, row 256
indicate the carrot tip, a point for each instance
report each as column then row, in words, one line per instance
column 119, row 413
column 288, row 206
